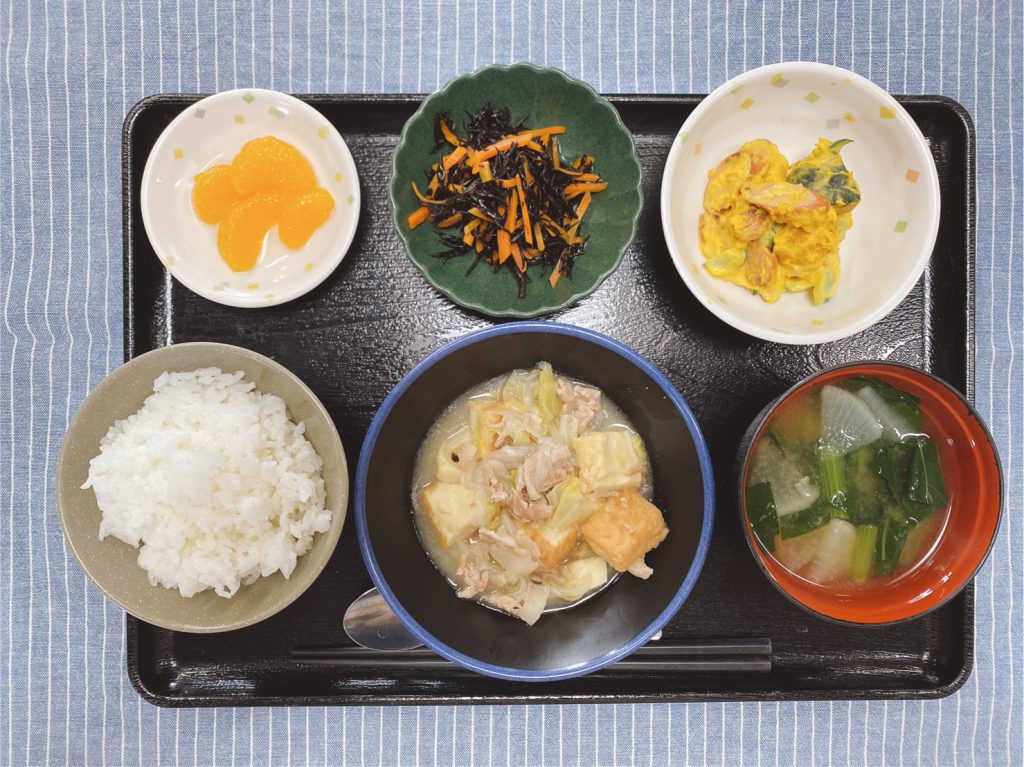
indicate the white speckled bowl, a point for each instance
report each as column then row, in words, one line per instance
column 213, row 130
column 894, row 227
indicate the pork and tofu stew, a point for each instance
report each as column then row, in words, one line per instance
column 533, row 490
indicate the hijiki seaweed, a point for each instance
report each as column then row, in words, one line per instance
column 504, row 194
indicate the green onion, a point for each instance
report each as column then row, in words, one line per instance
column 761, row 513
column 833, row 485
column 863, row 552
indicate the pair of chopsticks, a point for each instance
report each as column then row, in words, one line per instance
column 733, row 655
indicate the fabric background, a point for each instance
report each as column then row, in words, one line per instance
column 69, row 74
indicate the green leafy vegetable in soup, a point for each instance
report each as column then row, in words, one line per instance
column 846, row 485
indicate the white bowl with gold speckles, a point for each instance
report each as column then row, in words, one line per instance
column 212, row 131
column 894, row 226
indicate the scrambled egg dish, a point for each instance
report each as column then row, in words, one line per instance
column 772, row 227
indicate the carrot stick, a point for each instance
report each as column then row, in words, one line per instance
column 504, row 246
column 520, row 139
column 555, row 274
column 449, row 135
column 510, row 219
column 517, row 256
column 580, row 210
column 452, row 220
column 450, row 159
column 418, row 216
column 575, row 189
column 527, row 229
column 467, row 231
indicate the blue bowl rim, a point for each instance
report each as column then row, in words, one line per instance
column 506, row 672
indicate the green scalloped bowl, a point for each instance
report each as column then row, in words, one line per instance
column 592, row 126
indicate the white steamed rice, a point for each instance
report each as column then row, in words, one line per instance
column 214, row 480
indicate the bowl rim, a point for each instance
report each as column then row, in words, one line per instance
column 743, row 459
column 397, row 220
column 333, row 534
column 641, row 638
column 308, row 112
column 762, row 331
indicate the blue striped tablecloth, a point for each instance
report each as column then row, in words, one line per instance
column 70, row 72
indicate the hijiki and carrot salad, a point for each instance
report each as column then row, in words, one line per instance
column 504, row 195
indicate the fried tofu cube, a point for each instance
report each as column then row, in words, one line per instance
column 555, row 543
column 624, row 528
column 455, row 511
column 610, row 460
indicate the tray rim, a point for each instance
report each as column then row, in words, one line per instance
column 132, row 624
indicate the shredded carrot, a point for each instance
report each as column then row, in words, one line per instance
column 449, row 135
column 456, row 154
column 572, row 190
column 580, row 210
column 527, row 229
column 520, row 139
column 504, row 246
column 513, row 208
column 418, row 216
column 504, row 200
column 517, row 256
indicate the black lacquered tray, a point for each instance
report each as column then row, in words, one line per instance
column 358, row 333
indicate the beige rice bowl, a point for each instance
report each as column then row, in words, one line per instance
column 213, row 481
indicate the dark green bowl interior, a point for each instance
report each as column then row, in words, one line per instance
column 544, row 97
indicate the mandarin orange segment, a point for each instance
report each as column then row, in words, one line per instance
column 269, row 164
column 241, row 233
column 303, row 215
column 213, row 193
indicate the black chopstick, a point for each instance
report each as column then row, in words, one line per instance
column 748, row 655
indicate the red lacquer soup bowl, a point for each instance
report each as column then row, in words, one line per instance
column 973, row 479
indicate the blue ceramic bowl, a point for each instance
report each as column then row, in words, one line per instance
column 566, row 643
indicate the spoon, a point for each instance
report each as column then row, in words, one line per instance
column 370, row 623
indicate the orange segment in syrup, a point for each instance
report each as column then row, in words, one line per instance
column 241, row 233
column 267, row 164
column 303, row 215
column 213, row 193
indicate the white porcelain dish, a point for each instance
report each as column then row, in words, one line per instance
column 213, row 130
column 894, row 226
